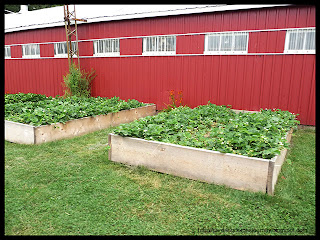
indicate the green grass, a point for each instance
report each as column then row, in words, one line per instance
column 69, row 187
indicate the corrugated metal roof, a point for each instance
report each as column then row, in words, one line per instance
column 51, row 17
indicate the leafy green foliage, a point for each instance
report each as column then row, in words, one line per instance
column 78, row 82
column 217, row 128
column 24, row 97
column 37, row 109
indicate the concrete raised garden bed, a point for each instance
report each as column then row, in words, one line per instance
column 232, row 170
column 27, row 134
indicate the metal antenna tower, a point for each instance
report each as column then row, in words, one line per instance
column 68, row 17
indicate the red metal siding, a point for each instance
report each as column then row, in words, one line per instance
column 131, row 46
column 266, row 42
column 43, row 76
column 255, row 19
column 16, row 51
column 36, row 36
column 190, row 44
column 46, row 50
column 85, row 48
column 246, row 82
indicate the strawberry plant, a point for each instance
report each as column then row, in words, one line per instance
column 217, row 128
column 36, row 109
column 24, row 97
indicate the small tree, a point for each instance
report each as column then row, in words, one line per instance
column 78, row 82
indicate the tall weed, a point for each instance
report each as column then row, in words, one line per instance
column 78, row 82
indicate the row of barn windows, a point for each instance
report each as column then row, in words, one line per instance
column 297, row 41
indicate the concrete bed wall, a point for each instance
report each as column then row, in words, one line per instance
column 19, row 132
column 275, row 166
column 232, row 170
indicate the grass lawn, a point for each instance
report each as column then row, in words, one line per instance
column 69, row 187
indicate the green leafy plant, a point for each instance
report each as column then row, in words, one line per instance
column 24, row 97
column 217, row 128
column 78, row 82
column 36, row 109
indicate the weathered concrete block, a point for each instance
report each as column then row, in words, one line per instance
column 19, row 132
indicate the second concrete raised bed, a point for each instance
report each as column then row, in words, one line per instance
column 27, row 134
column 232, row 170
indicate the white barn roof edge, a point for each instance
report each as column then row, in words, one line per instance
column 30, row 20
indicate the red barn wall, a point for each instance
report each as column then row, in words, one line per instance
column 264, row 78
column 46, row 50
column 131, row 46
column 16, row 51
column 190, row 44
column 85, row 48
column 266, row 42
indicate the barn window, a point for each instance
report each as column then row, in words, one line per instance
column 300, row 41
column 159, row 45
column 31, row 51
column 226, row 43
column 7, row 52
column 106, row 47
column 61, row 50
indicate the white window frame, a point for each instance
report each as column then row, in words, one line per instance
column 104, row 42
column 157, row 39
column 6, row 50
column 62, row 55
column 299, row 51
column 231, row 51
column 31, row 45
